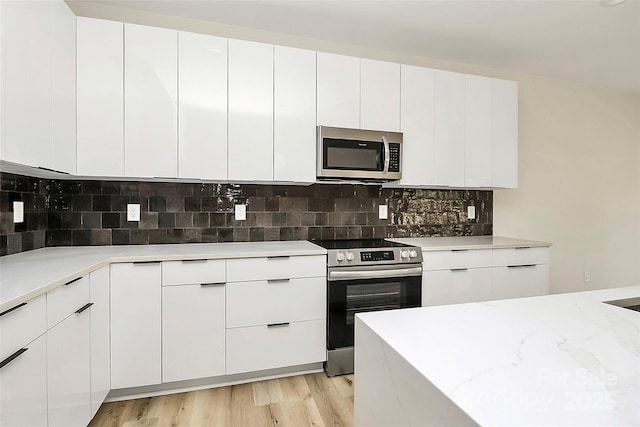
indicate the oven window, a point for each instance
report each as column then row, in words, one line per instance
column 372, row 297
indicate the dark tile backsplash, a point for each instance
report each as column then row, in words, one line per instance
column 70, row 212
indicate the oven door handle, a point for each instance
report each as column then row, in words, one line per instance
column 374, row 274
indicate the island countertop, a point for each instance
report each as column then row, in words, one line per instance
column 566, row 359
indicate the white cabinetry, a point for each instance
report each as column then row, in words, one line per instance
column 250, row 134
column 380, row 95
column 477, row 153
column 416, row 113
column 100, row 120
column 294, row 120
column 136, row 324
column 202, row 86
column 520, row 272
column 504, row 134
column 100, row 338
column 338, row 91
column 456, row 286
column 23, row 363
column 150, row 101
column 193, row 319
column 68, row 355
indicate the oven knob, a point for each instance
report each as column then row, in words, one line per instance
column 413, row 254
column 404, row 254
column 349, row 256
column 340, row 257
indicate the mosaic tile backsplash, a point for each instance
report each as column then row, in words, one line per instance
column 80, row 212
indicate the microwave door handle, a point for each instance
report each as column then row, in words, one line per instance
column 387, row 154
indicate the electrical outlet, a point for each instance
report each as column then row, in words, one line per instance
column 383, row 212
column 241, row 212
column 586, row 276
column 18, row 212
column 471, row 212
column 133, row 212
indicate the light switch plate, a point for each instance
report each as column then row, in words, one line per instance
column 383, row 212
column 471, row 212
column 133, row 212
column 241, row 212
column 18, row 212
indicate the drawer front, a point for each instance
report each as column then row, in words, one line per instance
column 520, row 256
column 456, row 286
column 261, row 347
column 245, row 269
column 275, row 301
column 66, row 299
column 443, row 260
column 193, row 272
column 22, row 325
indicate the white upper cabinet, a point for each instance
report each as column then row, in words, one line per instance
column 150, row 101
column 100, row 119
column 504, row 133
column 380, row 95
column 449, row 128
column 294, row 121
column 27, row 43
column 477, row 153
column 63, row 78
column 338, row 90
column 416, row 112
column 202, row 109
column 250, row 132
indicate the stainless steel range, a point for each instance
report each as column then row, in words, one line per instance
column 365, row 275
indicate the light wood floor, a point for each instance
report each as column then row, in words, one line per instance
column 306, row 400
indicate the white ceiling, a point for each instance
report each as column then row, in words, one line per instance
column 574, row 40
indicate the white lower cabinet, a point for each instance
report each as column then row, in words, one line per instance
column 456, row 286
column 193, row 331
column 275, row 346
column 135, row 324
column 23, row 386
column 100, row 338
column 520, row 281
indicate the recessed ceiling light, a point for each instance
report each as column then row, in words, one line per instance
column 608, row 3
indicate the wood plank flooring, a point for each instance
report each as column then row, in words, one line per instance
column 305, row 400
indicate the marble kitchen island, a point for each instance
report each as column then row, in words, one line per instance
column 566, row 359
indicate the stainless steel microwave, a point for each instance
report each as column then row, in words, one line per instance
column 356, row 154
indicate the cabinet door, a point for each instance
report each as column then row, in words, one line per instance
column 27, row 28
column 478, row 149
column 100, row 338
column 23, row 387
column 63, row 90
column 449, row 128
column 338, row 91
column 504, row 133
column 379, row 95
column 150, row 100
column 69, row 371
column 456, row 286
column 416, row 112
column 202, row 109
column 250, row 143
column 100, row 74
column 193, row 332
column 135, row 324
column 520, row 281
column 294, row 120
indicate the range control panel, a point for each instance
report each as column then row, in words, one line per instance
column 377, row 256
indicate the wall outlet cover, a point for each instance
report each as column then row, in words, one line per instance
column 241, row 212
column 383, row 212
column 133, row 212
column 18, row 212
column 471, row 212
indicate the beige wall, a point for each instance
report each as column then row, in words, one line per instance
column 579, row 160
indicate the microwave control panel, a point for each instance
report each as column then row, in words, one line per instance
column 394, row 157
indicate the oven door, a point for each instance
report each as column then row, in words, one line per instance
column 354, row 290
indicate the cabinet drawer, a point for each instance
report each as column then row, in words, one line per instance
column 66, row 299
column 457, row 286
column 262, row 347
column 520, row 256
column 278, row 267
column 275, row 301
column 193, row 272
column 443, row 260
column 22, row 324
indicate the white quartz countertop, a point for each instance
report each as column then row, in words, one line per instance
column 566, row 359
column 468, row 242
column 28, row 274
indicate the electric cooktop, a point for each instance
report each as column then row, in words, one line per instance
column 357, row 244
